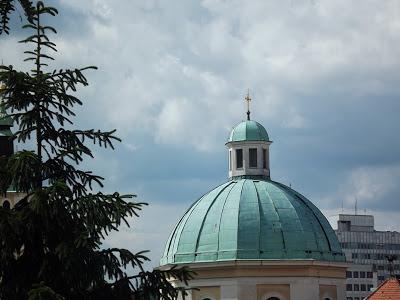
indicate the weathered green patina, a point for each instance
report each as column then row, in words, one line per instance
column 5, row 120
column 248, row 131
column 252, row 219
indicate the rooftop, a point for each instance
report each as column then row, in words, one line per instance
column 248, row 131
column 388, row 290
column 251, row 219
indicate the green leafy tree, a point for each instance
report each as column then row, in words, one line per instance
column 51, row 241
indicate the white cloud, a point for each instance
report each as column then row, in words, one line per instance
column 150, row 231
column 176, row 72
column 370, row 184
column 150, row 55
column 294, row 119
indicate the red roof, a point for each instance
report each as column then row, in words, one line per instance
column 389, row 289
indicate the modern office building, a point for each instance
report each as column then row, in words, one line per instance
column 367, row 249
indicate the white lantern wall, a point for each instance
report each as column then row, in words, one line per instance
column 249, row 164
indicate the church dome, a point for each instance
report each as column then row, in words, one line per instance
column 252, row 219
column 248, row 131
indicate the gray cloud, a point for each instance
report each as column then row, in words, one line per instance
column 323, row 77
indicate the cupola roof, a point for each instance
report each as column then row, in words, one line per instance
column 248, row 131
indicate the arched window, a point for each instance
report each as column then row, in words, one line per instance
column 6, row 204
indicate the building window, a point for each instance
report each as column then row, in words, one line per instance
column 273, row 298
column 356, row 287
column 363, row 287
column 369, row 287
column 362, row 274
column 239, row 158
column 349, row 287
column 349, row 298
column 6, row 204
column 355, row 274
column 349, row 274
column 356, row 298
column 230, row 160
column 264, row 158
column 253, row 158
column 369, row 274
column 380, row 278
column 354, row 255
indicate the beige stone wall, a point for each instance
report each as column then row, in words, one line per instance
column 281, row 291
column 272, row 271
column 260, row 280
column 211, row 292
column 328, row 292
column 12, row 197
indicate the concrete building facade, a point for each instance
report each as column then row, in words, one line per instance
column 367, row 250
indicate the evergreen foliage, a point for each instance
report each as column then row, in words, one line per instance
column 51, row 241
column 8, row 6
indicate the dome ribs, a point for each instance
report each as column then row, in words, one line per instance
column 182, row 251
column 271, row 238
column 248, row 233
column 252, row 219
column 229, row 224
column 292, row 230
column 207, row 238
column 219, row 222
column 172, row 237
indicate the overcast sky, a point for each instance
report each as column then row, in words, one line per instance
column 323, row 76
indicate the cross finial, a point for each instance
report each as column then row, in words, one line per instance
column 248, row 99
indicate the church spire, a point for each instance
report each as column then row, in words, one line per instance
column 248, row 99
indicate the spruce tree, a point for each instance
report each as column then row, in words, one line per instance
column 7, row 7
column 51, row 240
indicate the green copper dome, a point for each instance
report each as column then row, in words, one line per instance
column 5, row 120
column 248, row 131
column 252, row 219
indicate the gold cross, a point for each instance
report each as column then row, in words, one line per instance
column 248, row 99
